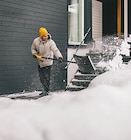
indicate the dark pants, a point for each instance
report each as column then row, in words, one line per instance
column 44, row 74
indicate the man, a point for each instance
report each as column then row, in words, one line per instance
column 44, row 47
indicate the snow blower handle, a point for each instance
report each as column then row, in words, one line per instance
column 62, row 60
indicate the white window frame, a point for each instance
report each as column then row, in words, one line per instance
column 80, row 26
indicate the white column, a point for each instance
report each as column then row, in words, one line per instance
column 125, row 19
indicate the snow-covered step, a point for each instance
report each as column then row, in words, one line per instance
column 83, row 83
column 74, row 88
column 80, row 76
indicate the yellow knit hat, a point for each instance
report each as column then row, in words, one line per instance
column 42, row 31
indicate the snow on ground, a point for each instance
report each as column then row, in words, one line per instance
column 100, row 112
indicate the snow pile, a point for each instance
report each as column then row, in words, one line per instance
column 124, row 49
column 119, row 78
column 101, row 113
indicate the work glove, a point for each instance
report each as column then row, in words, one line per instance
column 60, row 59
column 37, row 56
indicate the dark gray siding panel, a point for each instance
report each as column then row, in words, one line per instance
column 88, row 18
column 19, row 24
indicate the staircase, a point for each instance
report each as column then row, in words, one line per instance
column 86, row 73
column 80, row 81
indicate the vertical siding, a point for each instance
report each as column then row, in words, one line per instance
column 19, row 24
column 96, row 19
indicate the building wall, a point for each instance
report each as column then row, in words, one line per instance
column 96, row 19
column 88, row 19
column 19, row 24
column 109, row 17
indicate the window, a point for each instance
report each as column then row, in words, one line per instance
column 75, row 21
